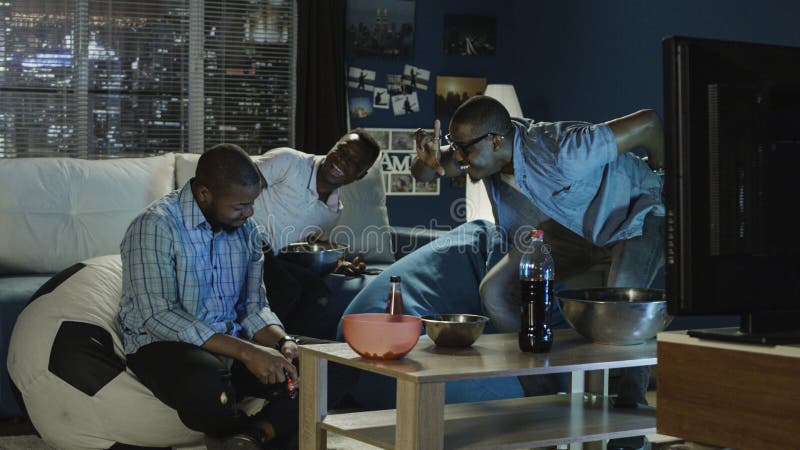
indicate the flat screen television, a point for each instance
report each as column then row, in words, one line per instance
column 732, row 185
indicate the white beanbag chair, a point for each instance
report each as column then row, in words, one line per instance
column 66, row 359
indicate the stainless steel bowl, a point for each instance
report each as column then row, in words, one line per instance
column 318, row 257
column 454, row 330
column 615, row 316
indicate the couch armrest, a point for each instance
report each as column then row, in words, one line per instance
column 407, row 239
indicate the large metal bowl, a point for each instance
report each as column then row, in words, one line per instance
column 454, row 330
column 615, row 316
column 319, row 257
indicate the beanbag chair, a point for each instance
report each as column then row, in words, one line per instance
column 67, row 364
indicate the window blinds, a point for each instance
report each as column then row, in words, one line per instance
column 101, row 78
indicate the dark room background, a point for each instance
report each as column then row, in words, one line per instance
column 568, row 60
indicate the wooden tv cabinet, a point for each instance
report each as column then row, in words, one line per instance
column 729, row 395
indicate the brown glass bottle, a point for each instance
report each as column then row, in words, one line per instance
column 394, row 301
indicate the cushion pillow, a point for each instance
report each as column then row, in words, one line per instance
column 185, row 165
column 58, row 211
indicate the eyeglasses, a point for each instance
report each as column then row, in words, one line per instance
column 463, row 148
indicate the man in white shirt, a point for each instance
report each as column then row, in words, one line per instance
column 301, row 200
column 301, row 197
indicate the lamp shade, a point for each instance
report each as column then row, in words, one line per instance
column 507, row 96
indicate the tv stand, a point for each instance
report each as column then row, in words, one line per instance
column 734, row 334
column 758, row 327
column 728, row 395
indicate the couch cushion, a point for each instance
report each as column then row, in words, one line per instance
column 58, row 211
column 185, row 165
column 364, row 222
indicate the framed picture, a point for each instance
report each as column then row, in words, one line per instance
column 451, row 92
column 469, row 35
column 396, row 160
column 380, row 29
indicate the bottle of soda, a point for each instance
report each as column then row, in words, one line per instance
column 394, row 301
column 536, row 274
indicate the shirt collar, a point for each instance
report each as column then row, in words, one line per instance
column 333, row 197
column 193, row 217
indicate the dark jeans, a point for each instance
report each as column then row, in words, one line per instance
column 192, row 381
column 205, row 392
column 297, row 295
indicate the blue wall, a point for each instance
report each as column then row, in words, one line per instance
column 569, row 60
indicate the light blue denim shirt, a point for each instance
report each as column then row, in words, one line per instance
column 572, row 173
column 182, row 282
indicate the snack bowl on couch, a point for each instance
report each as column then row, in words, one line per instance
column 454, row 330
column 381, row 336
column 319, row 257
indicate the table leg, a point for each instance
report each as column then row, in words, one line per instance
column 592, row 382
column 313, row 401
column 420, row 416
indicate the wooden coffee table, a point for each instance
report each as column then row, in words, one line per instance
column 423, row 421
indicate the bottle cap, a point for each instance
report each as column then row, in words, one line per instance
column 394, row 278
column 537, row 234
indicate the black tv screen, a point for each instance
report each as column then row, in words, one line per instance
column 732, row 180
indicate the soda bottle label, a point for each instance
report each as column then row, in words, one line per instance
column 535, row 334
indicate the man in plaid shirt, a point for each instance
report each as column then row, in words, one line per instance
column 196, row 325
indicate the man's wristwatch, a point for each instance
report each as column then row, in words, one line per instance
column 283, row 340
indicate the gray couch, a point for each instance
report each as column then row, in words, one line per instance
column 59, row 211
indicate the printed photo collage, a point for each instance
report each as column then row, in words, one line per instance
column 398, row 152
column 398, row 92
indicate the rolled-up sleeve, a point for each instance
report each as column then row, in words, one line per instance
column 583, row 147
column 254, row 312
column 149, row 271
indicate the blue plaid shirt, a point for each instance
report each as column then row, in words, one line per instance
column 182, row 282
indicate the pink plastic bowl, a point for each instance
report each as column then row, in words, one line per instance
column 381, row 336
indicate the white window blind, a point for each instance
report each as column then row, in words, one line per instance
column 116, row 78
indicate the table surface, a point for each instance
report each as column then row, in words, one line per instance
column 493, row 355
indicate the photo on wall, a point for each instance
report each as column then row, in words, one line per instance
column 394, row 84
column 381, row 137
column 380, row 29
column 451, row 92
column 396, row 160
column 469, row 35
column 402, row 140
column 380, row 98
column 415, row 78
column 361, row 79
column 360, row 107
column 405, row 104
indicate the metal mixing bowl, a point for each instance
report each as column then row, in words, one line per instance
column 319, row 257
column 454, row 330
column 615, row 316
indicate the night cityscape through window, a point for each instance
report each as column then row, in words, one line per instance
column 124, row 89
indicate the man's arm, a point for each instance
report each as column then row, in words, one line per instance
column 259, row 322
column 640, row 129
column 151, row 280
column 266, row 363
column 430, row 160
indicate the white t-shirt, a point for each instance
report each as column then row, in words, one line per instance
column 289, row 209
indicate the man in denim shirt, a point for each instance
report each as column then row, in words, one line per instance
column 579, row 182
column 196, row 326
